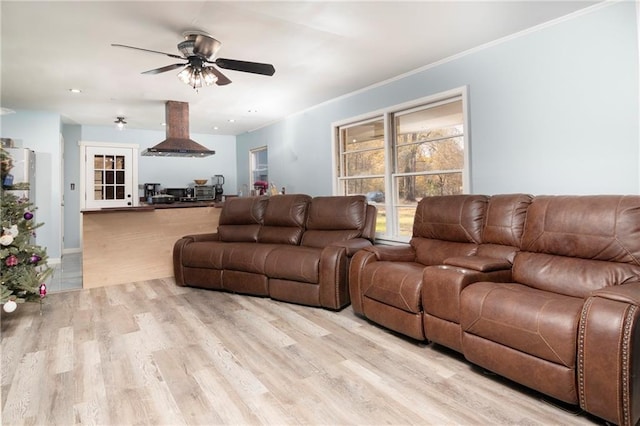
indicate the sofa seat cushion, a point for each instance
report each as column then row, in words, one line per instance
column 536, row 322
column 246, row 257
column 396, row 284
column 294, row 263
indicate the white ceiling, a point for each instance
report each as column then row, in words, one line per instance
column 320, row 49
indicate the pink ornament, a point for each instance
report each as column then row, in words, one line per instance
column 11, row 260
column 43, row 290
column 28, row 215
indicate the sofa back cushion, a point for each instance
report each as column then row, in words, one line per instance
column 448, row 226
column 504, row 225
column 241, row 218
column 333, row 219
column 284, row 219
column 576, row 244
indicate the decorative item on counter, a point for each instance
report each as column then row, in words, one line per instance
column 260, row 187
column 272, row 189
column 200, row 181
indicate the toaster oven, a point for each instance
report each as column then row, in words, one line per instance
column 204, row 192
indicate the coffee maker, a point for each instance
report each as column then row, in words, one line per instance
column 218, row 181
column 151, row 189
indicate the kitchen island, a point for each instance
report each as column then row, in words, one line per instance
column 130, row 244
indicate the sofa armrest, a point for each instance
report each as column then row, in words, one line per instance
column 393, row 253
column 334, row 275
column 608, row 360
column 370, row 255
column 479, row 263
column 353, row 245
column 626, row 293
column 213, row 236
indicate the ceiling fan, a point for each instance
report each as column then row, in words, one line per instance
column 199, row 50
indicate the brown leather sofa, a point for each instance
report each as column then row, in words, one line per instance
column 292, row 247
column 542, row 290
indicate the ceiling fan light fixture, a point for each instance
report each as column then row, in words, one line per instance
column 185, row 75
column 209, row 76
column 196, row 76
column 120, row 123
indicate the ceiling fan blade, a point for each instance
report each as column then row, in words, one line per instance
column 252, row 67
column 222, row 79
column 171, row 55
column 164, row 69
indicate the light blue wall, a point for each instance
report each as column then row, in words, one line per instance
column 40, row 132
column 552, row 111
column 171, row 172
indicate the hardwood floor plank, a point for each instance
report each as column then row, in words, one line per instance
column 152, row 353
column 24, row 396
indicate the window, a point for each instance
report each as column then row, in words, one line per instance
column 259, row 168
column 398, row 156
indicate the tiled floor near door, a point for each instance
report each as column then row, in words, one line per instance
column 67, row 275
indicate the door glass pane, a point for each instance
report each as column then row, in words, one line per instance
column 120, row 162
column 98, row 162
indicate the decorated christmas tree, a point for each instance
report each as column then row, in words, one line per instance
column 23, row 265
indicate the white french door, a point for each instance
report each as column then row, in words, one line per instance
column 109, row 176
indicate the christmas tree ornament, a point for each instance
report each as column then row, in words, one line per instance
column 35, row 258
column 12, row 260
column 9, row 306
column 28, row 215
column 43, row 290
column 6, row 240
column 12, row 230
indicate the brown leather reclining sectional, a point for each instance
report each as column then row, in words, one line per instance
column 542, row 290
column 290, row 247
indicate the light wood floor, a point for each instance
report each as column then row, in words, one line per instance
column 154, row 353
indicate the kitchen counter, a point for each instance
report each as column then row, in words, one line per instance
column 144, row 207
column 130, row 244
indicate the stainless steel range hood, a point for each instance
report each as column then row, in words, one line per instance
column 177, row 143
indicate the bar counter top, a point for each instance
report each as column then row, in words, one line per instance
column 144, row 207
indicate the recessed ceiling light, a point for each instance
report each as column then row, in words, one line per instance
column 215, row 127
column 231, row 120
column 75, row 90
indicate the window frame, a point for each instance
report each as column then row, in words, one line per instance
column 388, row 115
column 253, row 167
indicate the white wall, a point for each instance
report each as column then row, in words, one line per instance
column 552, row 111
column 40, row 131
column 171, row 172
